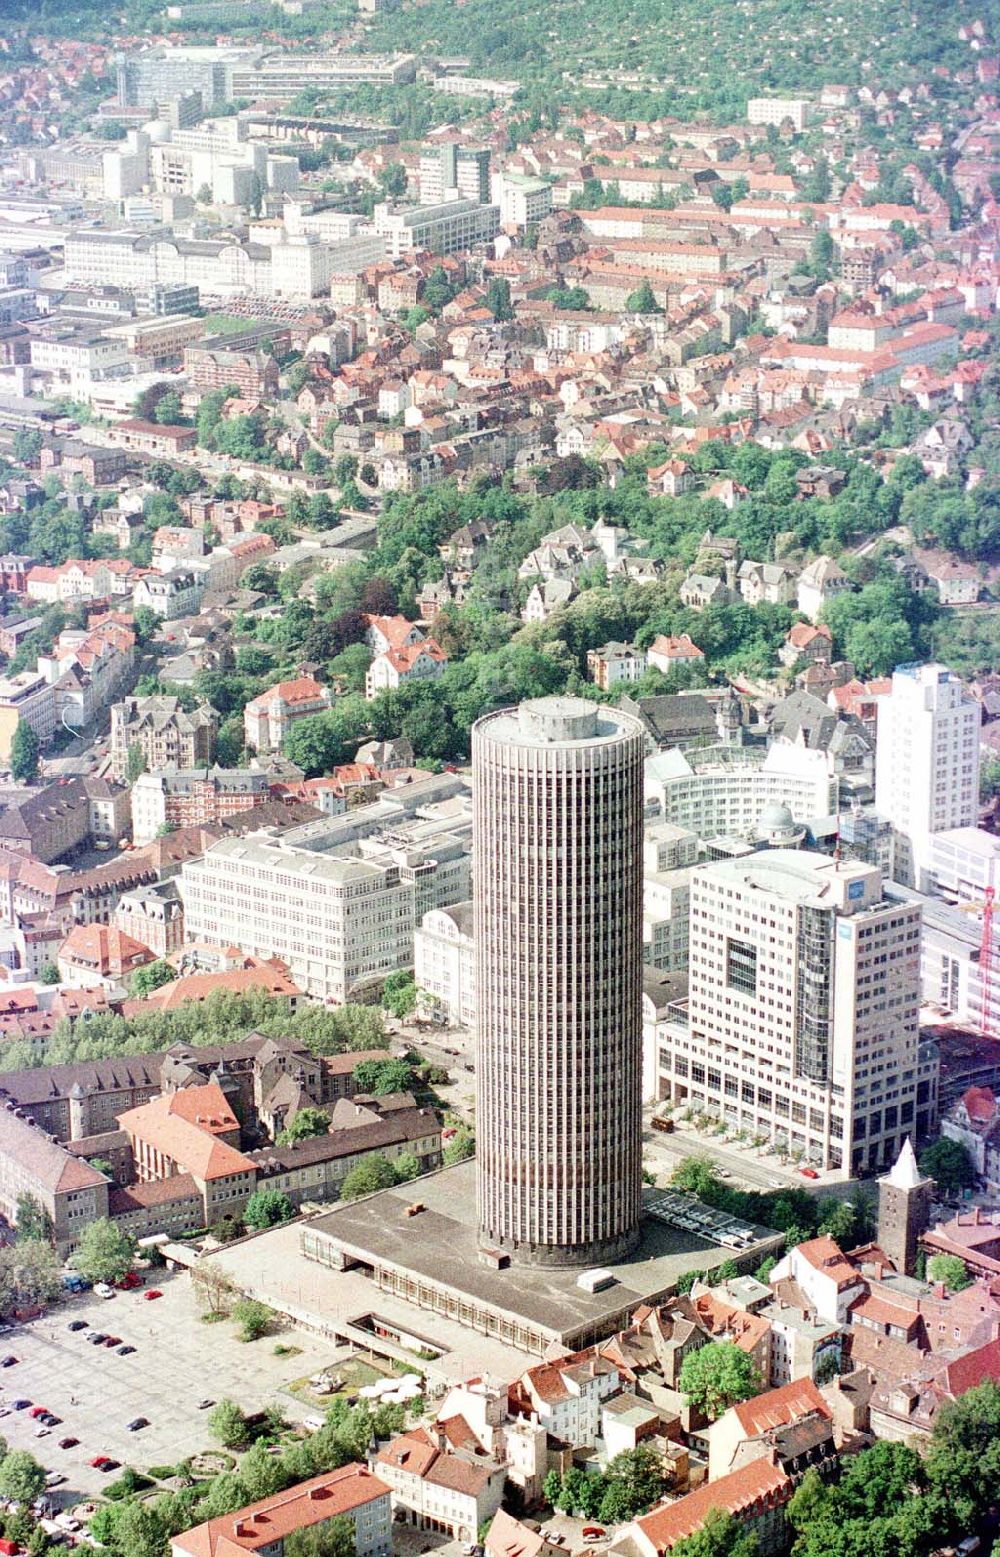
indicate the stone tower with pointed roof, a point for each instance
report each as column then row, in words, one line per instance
column 904, row 1204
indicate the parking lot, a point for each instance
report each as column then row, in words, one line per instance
column 178, row 1361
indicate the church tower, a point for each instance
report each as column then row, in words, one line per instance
column 904, row 1204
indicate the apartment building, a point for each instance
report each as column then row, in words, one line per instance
column 438, row 229
column 253, row 373
column 803, row 1007
column 524, row 201
column 435, row 1487
column 190, row 797
column 352, row 1492
column 444, row 965
column 31, row 697
column 165, row 735
column 452, row 172
column 775, row 110
column 926, row 764
column 268, row 718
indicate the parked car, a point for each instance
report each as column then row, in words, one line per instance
column 203, row 1405
column 103, row 1290
column 125, row 1351
column 20, row 1405
column 68, row 1443
column 77, row 1324
column 129, row 1281
column 111, row 1341
column 97, row 1338
column 9, row 1361
column 152, row 1294
column 42, row 1432
column 138, row 1423
column 110, row 1465
column 809, row 1173
column 99, row 1461
column 37, row 1411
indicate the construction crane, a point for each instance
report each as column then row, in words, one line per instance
column 989, row 957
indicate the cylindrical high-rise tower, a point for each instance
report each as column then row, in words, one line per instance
column 558, row 801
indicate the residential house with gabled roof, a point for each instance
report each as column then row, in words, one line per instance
column 268, row 718
column 69, row 1190
column 754, row 1418
column 100, row 955
column 425, row 661
column 821, row 581
column 437, row 1487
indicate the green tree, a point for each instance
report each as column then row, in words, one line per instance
column 380, row 1077
column 460, row 1148
column 135, row 763
column 262, row 1473
column 22, row 1479
column 373, row 1174
column 950, row 1269
column 104, row 1252
column 140, row 1531
column 498, row 299
column 168, row 409
column 252, row 1317
column 27, row 445
column 306, row 1123
column 30, row 1276
column 720, row 1536
column 334, row 1538
column 642, row 301
column 227, row 1423
column 24, row 754
column 948, row 1163
column 49, row 973
column 32, row 1220
column 153, row 976
column 213, row 1287
column 268, row 1207
column 718, row 1376
column 399, row 994
column 393, row 180
column 963, row 1460
column 634, row 1481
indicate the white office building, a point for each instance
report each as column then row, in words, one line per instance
column 803, row 1006
column 723, row 791
column 438, row 229
column 668, row 853
column 926, row 764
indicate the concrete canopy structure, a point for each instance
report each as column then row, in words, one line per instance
column 557, row 790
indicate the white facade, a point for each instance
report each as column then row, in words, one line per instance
column 803, row 1007
column 723, row 792
column 444, row 966
column 775, row 110
column 441, row 229
column 668, row 854
column 926, row 764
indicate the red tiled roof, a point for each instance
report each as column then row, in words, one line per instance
column 739, row 1493
column 271, row 1520
column 778, row 1407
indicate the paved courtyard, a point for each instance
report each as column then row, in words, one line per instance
column 178, row 1361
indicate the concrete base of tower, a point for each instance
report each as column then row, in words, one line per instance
column 606, row 1251
column 419, row 1244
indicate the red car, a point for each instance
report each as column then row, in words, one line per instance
column 154, row 1292
column 38, row 1411
column 809, row 1173
column 99, row 1461
column 111, row 1341
column 129, row 1282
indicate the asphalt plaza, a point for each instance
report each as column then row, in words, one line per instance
column 178, row 1361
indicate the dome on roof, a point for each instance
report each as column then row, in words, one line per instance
column 777, row 826
column 775, row 818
